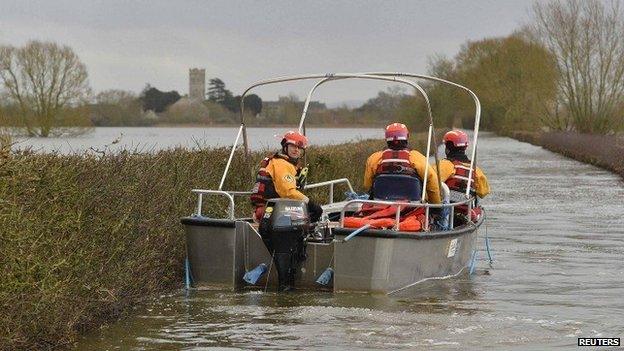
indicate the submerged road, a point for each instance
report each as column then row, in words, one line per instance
column 557, row 231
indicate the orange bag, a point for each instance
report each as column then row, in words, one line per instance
column 411, row 223
column 358, row 222
column 354, row 222
column 384, row 217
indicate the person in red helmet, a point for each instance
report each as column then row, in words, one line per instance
column 279, row 174
column 455, row 168
column 399, row 159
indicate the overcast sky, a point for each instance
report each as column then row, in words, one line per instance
column 127, row 44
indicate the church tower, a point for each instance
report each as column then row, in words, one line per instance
column 197, row 84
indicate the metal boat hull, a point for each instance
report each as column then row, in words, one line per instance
column 221, row 251
column 388, row 262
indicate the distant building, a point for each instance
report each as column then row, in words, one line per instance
column 197, row 84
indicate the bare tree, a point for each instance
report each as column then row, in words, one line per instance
column 48, row 83
column 586, row 39
column 118, row 108
column 5, row 137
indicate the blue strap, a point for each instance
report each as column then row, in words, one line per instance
column 187, row 274
column 487, row 247
column 358, row 231
column 473, row 261
column 487, row 244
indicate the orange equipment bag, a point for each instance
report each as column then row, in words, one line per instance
column 384, row 217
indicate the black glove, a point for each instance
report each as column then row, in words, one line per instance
column 302, row 178
column 315, row 211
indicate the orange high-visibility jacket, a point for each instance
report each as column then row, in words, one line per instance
column 418, row 161
column 284, row 178
column 447, row 169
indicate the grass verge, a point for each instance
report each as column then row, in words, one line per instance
column 605, row 151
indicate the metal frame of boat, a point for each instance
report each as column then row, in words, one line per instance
column 221, row 250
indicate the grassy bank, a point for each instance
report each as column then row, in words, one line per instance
column 85, row 237
column 603, row 151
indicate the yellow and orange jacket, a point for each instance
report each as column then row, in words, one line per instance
column 278, row 174
column 418, row 161
column 447, row 169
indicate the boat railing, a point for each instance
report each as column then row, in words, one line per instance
column 227, row 194
column 230, row 195
column 409, row 204
column 330, row 184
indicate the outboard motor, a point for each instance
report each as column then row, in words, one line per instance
column 283, row 227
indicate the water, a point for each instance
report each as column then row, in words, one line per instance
column 153, row 139
column 557, row 229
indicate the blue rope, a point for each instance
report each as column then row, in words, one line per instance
column 487, row 243
column 473, row 261
column 187, row 274
column 356, row 232
column 489, row 252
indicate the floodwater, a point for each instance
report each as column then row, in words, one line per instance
column 557, row 231
column 149, row 139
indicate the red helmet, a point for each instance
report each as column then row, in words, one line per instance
column 296, row 139
column 396, row 131
column 457, row 138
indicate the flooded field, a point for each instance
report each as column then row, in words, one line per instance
column 557, row 231
column 149, row 139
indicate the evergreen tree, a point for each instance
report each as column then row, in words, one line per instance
column 156, row 100
column 217, row 91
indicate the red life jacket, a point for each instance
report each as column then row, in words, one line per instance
column 458, row 182
column 264, row 188
column 396, row 162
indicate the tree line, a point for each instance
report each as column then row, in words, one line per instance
column 153, row 106
column 564, row 71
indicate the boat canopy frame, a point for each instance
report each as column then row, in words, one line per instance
column 324, row 79
column 340, row 76
column 383, row 76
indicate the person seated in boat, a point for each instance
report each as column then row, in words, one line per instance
column 399, row 159
column 281, row 176
column 455, row 168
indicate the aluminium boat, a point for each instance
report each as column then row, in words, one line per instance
column 230, row 252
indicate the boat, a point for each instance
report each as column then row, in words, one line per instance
column 230, row 252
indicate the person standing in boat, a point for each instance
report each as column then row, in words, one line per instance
column 281, row 176
column 399, row 159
